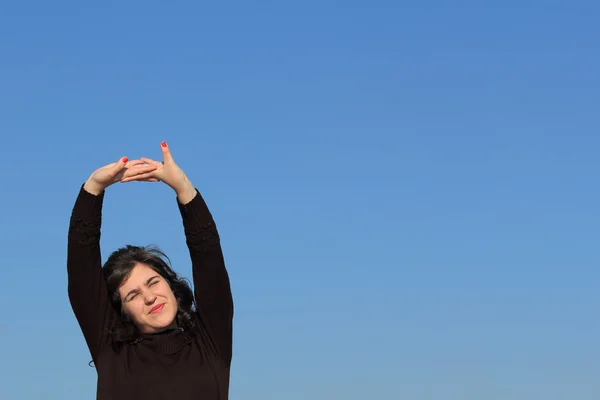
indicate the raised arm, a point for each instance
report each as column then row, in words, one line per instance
column 212, row 291
column 86, row 285
column 87, row 289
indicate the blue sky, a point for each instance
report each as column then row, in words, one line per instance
column 407, row 195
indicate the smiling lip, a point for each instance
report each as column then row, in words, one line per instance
column 157, row 308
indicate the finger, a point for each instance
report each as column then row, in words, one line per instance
column 144, row 180
column 133, row 163
column 167, row 157
column 152, row 162
column 137, row 177
column 138, row 170
column 142, row 168
column 119, row 165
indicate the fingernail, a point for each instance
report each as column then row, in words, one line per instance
column 163, row 144
column 125, row 159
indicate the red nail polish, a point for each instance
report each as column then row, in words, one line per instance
column 125, row 159
column 163, row 144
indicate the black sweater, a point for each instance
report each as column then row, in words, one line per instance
column 170, row 365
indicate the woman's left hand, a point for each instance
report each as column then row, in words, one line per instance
column 168, row 172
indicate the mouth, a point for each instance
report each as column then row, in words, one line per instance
column 157, row 308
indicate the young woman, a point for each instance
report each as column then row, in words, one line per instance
column 149, row 335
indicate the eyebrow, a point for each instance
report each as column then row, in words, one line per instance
column 147, row 283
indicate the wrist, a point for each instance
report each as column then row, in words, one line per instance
column 185, row 192
column 93, row 187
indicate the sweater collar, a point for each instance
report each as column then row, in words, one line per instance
column 169, row 341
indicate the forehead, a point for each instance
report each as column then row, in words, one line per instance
column 138, row 277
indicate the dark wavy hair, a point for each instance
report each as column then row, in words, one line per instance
column 118, row 268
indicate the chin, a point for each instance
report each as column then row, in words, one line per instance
column 164, row 321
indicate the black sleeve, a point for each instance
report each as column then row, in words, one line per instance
column 86, row 286
column 212, row 289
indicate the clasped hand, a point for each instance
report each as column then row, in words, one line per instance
column 143, row 170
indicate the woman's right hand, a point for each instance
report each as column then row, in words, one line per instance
column 105, row 176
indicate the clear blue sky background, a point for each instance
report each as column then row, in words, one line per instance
column 407, row 195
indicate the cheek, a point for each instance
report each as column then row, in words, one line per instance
column 132, row 309
column 165, row 290
column 168, row 293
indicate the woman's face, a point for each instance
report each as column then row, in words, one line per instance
column 148, row 300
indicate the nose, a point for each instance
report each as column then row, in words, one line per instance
column 149, row 297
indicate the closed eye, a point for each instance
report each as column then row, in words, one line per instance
column 149, row 282
column 132, row 296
